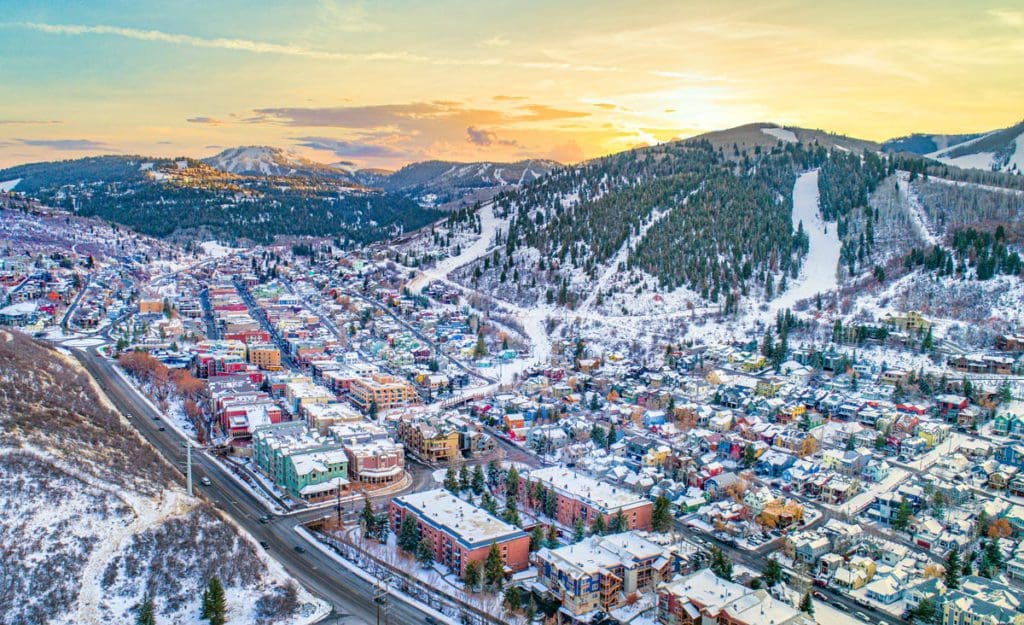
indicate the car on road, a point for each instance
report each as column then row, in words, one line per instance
column 156, row 417
column 162, row 428
column 205, row 481
column 300, row 549
column 820, row 595
column 863, row 617
column 264, row 544
column 430, row 620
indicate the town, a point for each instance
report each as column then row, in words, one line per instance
column 425, row 438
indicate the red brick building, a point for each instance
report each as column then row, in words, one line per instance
column 461, row 532
column 582, row 497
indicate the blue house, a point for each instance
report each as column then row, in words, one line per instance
column 774, row 463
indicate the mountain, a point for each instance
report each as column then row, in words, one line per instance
column 94, row 519
column 922, row 144
column 257, row 160
column 711, row 225
column 186, row 198
column 438, row 183
column 998, row 150
column 766, row 135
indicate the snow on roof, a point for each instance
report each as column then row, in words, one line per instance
column 601, row 495
column 472, row 526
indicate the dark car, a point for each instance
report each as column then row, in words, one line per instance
column 162, row 428
column 264, row 544
column 300, row 549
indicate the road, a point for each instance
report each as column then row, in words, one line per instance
column 350, row 595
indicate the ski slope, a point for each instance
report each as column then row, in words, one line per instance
column 818, row 273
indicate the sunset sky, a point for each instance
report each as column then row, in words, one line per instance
column 388, row 82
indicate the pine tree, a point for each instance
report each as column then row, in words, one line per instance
column 807, row 604
column 537, row 537
column 721, row 565
column 952, row 576
column 451, row 480
column 513, row 598
column 494, row 569
column 408, row 534
column 512, row 484
column 147, row 615
column 463, row 478
column 598, row 527
column 772, row 573
column 579, row 531
column 369, row 519
column 661, row 516
column 471, row 576
column 477, row 482
column 552, row 539
column 597, row 436
column 903, row 514
column 218, row 605
column 425, row 552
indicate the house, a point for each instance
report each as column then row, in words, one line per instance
column 459, row 531
column 702, row 598
column 601, row 572
column 981, row 601
column 885, row 590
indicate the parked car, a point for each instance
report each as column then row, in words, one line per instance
column 205, row 481
column 300, row 549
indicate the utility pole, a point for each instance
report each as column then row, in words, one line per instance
column 380, row 598
column 188, row 467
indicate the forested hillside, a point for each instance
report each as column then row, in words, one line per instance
column 188, row 198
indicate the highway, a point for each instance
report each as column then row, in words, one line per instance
column 350, row 595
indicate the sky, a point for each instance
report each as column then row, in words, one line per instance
column 388, row 82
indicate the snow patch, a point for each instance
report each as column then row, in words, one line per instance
column 818, row 271
column 8, row 185
column 780, row 133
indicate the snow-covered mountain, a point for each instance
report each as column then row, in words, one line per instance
column 261, row 160
column 444, row 182
column 997, row 150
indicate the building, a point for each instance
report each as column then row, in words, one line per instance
column 384, row 391
column 265, row 356
column 460, row 532
column 601, row 572
column 702, row 598
column 981, row 601
column 308, row 466
column 428, row 440
column 582, row 497
column 374, row 460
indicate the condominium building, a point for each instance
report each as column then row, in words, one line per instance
column 385, row 391
column 460, row 532
column 582, row 497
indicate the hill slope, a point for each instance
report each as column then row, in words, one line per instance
column 94, row 518
column 187, row 198
column 257, row 160
column 999, row 150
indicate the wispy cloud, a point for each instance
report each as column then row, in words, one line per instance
column 350, row 149
column 497, row 41
column 486, row 138
column 297, row 50
column 211, row 121
column 68, row 144
column 28, row 122
column 1008, row 17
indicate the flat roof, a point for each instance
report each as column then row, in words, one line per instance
column 601, row 495
column 473, row 527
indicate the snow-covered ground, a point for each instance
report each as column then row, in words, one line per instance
column 917, row 214
column 8, row 185
column 818, row 272
column 215, row 249
column 780, row 133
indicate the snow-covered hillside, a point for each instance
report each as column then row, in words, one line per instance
column 999, row 150
column 94, row 519
column 269, row 161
